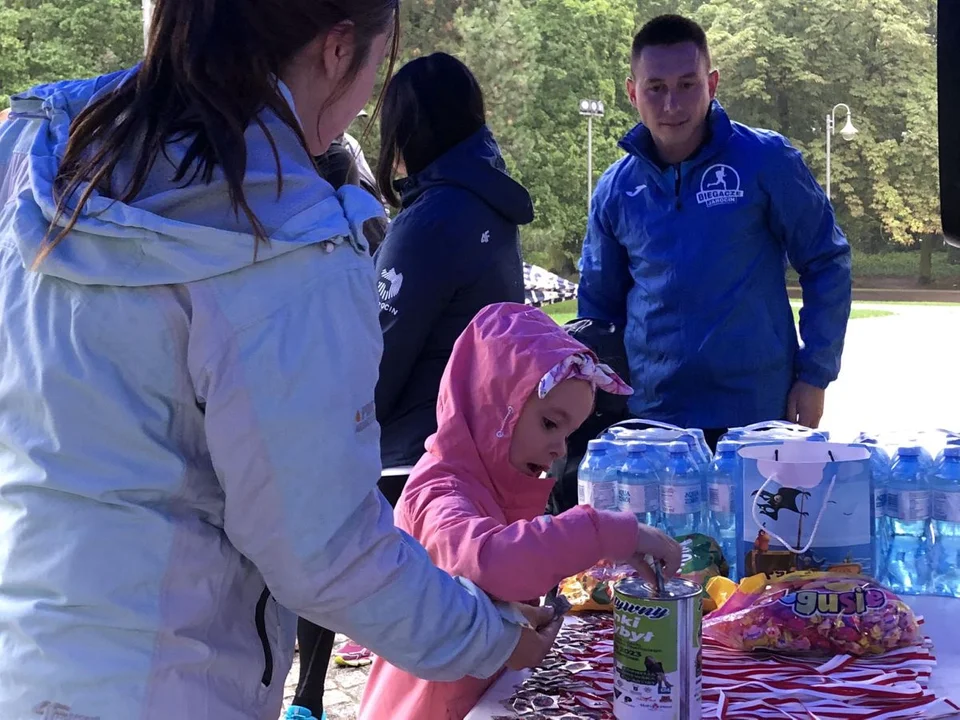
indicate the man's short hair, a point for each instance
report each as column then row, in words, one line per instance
column 670, row 30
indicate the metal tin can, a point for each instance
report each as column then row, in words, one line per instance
column 656, row 650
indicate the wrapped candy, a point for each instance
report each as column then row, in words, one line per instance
column 592, row 590
column 817, row 613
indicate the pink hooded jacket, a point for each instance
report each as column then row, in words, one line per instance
column 477, row 516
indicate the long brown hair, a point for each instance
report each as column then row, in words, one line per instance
column 432, row 104
column 209, row 71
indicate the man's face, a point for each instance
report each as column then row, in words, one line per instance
column 671, row 88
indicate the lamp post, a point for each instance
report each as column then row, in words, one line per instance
column 847, row 133
column 590, row 109
column 147, row 14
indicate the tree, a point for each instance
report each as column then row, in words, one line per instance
column 43, row 41
column 785, row 64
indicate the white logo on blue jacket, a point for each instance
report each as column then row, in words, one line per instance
column 720, row 185
column 389, row 284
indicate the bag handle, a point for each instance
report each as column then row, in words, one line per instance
column 777, row 425
column 648, row 423
column 816, row 524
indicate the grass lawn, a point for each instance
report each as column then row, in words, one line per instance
column 567, row 311
column 905, row 264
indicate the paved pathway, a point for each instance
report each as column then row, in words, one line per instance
column 342, row 692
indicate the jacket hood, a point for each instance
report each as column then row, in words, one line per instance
column 496, row 365
column 172, row 232
column 639, row 141
column 477, row 165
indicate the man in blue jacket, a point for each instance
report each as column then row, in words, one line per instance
column 686, row 246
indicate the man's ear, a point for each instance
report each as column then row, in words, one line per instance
column 712, row 81
column 632, row 90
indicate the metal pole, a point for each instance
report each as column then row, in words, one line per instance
column 589, row 161
column 147, row 15
column 829, row 133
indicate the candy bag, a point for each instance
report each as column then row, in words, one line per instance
column 702, row 560
column 822, row 613
column 592, row 590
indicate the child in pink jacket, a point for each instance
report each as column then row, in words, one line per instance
column 515, row 387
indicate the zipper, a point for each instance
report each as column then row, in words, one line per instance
column 678, row 203
column 261, row 621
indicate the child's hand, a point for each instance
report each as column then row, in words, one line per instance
column 661, row 548
column 535, row 644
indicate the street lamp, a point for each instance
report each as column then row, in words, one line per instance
column 847, row 133
column 590, row 109
column 147, row 6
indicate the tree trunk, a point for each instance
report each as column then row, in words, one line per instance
column 927, row 246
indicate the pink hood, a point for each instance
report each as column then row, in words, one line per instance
column 496, row 365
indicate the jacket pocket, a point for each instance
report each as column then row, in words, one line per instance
column 261, row 622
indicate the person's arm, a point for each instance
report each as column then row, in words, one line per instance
column 801, row 215
column 416, row 281
column 524, row 559
column 605, row 279
column 288, row 389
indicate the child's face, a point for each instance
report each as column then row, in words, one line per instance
column 540, row 436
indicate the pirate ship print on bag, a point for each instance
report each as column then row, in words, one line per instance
column 806, row 506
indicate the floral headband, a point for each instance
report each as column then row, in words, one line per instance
column 584, row 367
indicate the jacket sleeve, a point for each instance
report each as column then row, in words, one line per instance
column 416, row 280
column 290, row 427
column 801, row 215
column 526, row 558
column 605, row 279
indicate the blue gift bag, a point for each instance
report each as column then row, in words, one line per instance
column 806, row 506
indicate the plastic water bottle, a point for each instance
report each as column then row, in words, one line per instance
column 723, row 494
column 681, row 493
column 946, row 524
column 639, row 486
column 880, row 469
column 907, row 509
column 597, row 476
column 702, row 446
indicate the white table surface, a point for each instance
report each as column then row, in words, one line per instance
column 941, row 623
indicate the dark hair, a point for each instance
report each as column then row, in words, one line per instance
column 209, row 71
column 670, row 30
column 337, row 165
column 432, row 104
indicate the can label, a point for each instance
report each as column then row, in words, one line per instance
column 657, row 657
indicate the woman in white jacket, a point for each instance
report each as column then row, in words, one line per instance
column 188, row 355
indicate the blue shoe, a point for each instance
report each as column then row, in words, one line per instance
column 295, row 712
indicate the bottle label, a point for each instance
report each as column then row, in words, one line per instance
column 879, row 502
column 639, row 499
column 680, row 499
column 908, row 505
column 602, row 496
column 946, row 506
column 720, row 498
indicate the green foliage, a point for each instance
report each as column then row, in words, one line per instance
column 784, row 64
column 46, row 40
